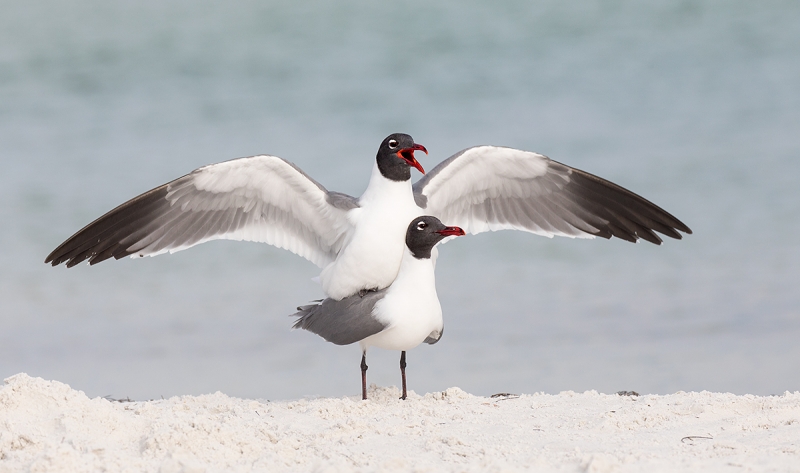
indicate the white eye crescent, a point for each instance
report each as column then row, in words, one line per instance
column 422, row 226
column 393, row 144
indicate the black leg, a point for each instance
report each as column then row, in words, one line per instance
column 403, row 372
column 364, row 376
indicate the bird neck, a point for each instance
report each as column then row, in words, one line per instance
column 381, row 188
column 415, row 272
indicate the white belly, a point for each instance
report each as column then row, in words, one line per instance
column 407, row 334
column 371, row 257
column 410, row 308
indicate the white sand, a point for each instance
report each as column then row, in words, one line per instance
column 47, row 426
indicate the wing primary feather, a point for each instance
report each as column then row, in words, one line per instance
column 96, row 250
column 146, row 235
column 114, row 247
column 92, row 233
column 574, row 215
column 612, row 221
column 590, row 210
column 616, row 204
column 557, row 222
column 621, row 232
column 626, row 198
column 133, row 238
column 636, row 229
column 569, row 215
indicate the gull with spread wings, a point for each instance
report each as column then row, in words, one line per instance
column 359, row 242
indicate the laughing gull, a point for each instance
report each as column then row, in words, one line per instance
column 358, row 243
column 399, row 317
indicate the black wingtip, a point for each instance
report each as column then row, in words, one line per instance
column 631, row 215
column 101, row 239
column 53, row 259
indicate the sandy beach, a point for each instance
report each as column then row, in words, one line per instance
column 695, row 106
column 48, row 426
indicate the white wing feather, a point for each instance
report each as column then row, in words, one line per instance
column 260, row 198
column 489, row 188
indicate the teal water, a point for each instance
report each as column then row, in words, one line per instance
column 695, row 105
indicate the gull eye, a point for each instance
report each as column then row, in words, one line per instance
column 392, row 144
column 421, row 225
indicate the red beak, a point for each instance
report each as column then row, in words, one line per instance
column 407, row 154
column 451, row 231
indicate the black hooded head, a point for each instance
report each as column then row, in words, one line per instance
column 425, row 232
column 396, row 157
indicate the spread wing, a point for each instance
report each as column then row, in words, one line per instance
column 260, row 198
column 492, row 188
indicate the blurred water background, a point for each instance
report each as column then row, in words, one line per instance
column 693, row 104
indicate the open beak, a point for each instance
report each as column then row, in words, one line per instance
column 451, row 231
column 407, row 155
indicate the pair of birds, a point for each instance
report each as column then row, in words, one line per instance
column 377, row 252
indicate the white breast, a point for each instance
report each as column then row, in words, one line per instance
column 410, row 308
column 371, row 257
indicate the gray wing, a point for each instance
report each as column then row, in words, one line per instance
column 260, row 198
column 342, row 322
column 488, row 188
column 434, row 337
